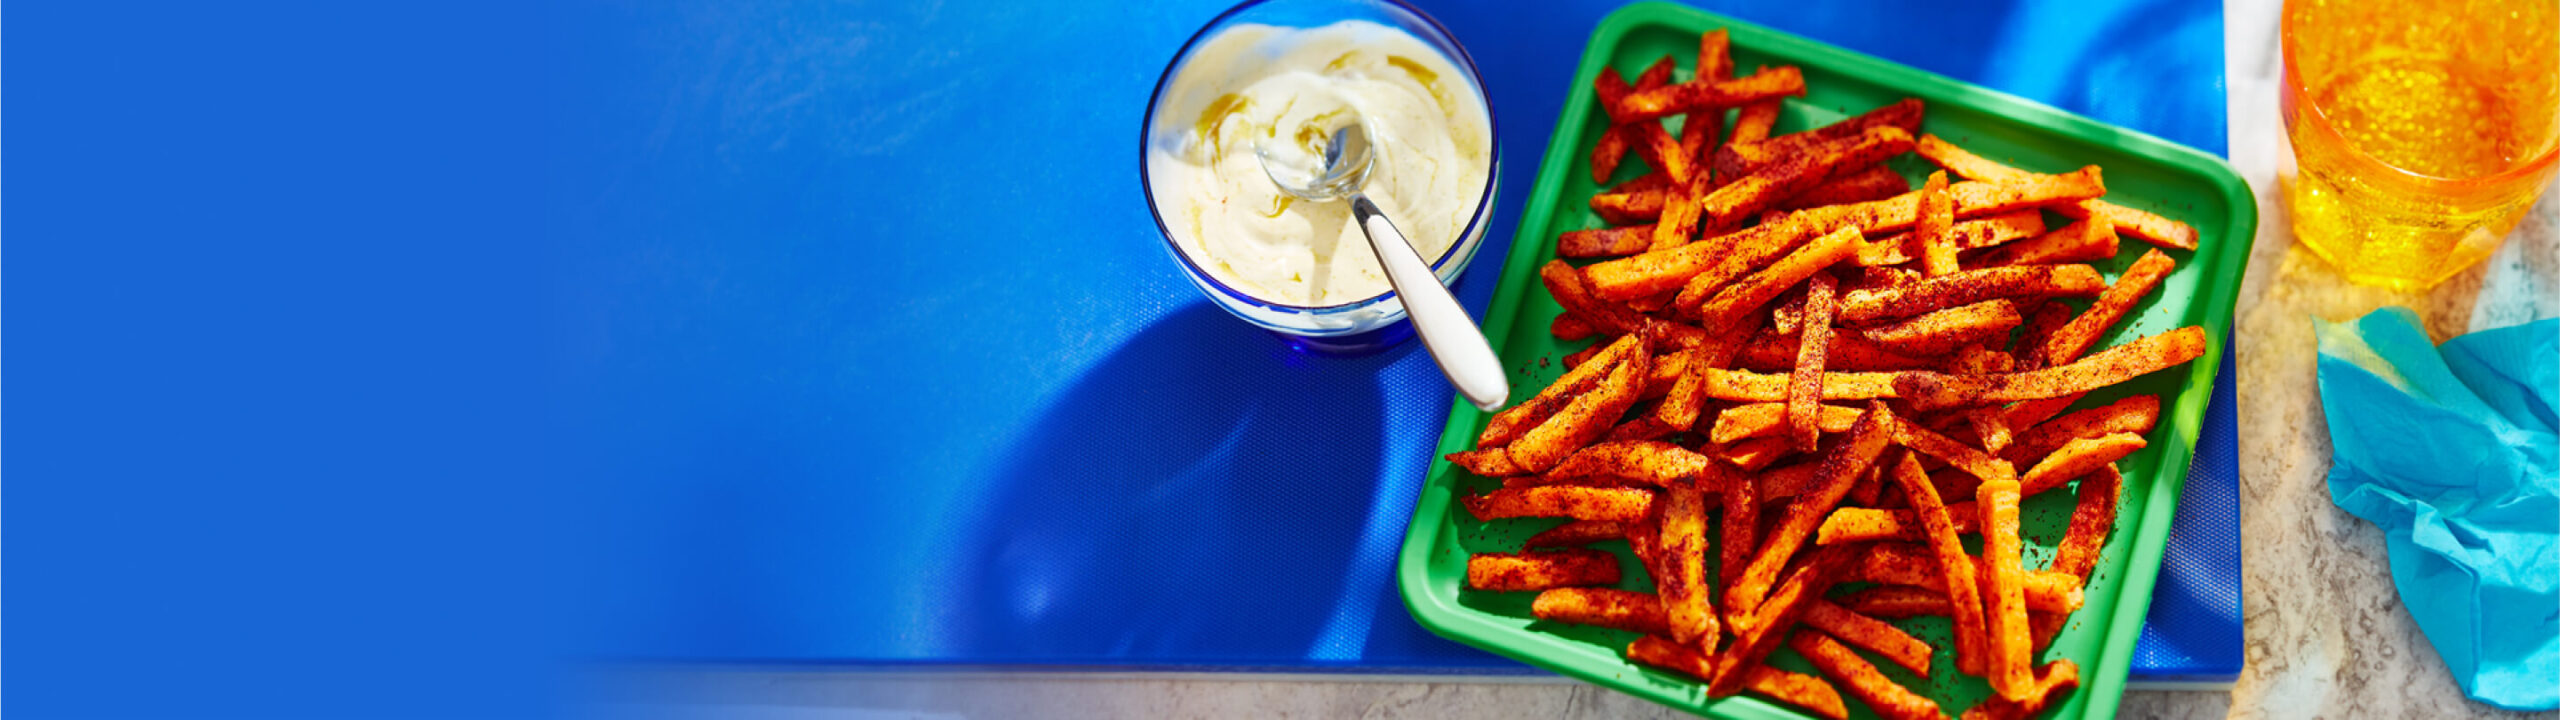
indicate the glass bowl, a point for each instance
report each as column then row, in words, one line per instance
column 1363, row 325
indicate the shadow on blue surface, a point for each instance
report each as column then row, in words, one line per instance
column 1180, row 495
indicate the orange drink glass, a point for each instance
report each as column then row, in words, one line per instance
column 2420, row 130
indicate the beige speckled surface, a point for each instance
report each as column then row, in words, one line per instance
column 2325, row 631
column 2327, row 636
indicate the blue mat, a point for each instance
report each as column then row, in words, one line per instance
column 887, row 365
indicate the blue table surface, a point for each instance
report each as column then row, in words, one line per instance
column 879, row 350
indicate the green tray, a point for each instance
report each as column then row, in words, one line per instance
column 2140, row 171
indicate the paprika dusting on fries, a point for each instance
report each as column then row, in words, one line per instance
column 1791, row 329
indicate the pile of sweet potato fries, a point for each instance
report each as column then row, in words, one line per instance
column 1848, row 373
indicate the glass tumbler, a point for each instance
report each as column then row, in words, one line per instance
column 2420, row 131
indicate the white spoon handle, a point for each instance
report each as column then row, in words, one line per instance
column 1446, row 330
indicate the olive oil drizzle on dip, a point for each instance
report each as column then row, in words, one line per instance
column 1255, row 84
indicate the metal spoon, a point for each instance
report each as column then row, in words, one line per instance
column 1446, row 331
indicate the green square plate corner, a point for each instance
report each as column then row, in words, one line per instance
column 2140, row 171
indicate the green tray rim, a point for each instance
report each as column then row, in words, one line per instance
column 1433, row 603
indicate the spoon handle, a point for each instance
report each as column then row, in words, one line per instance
column 1446, row 330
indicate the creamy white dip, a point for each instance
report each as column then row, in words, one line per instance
column 1262, row 84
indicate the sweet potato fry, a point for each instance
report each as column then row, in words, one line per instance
column 1900, row 601
column 1729, row 256
column 1980, row 464
column 1738, row 533
column 1754, row 420
column 1787, row 482
column 2076, row 458
column 1746, row 386
column 1979, row 359
column 1661, row 652
column 1746, row 252
column 1992, row 426
column 2044, row 627
column 1698, row 132
column 1662, row 151
column 1507, row 424
column 1877, row 635
column 1964, row 600
column 1665, row 374
column 1863, row 680
column 1745, row 196
column 1941, row 332
column 1568, row 328
column 1930, row 227
column 1652, row 462
column 1579, row 532
column 1688, row 397
column 1840, row 468
column 1867, row 307
column 1573, row 501
column 1901, row 563
column 1613, row 88
column 1489, row 462
column 1804, row 385
column 2135, row 414
column 2091, row 520
column 1800, row 690
column 1649, row 181
column 1520, row 482
column 1566, row 285
column 1856, row 524
column 2075, row 337
column 1934, row 391
column 1748, row 294
column 2078, row 242
column 1585, row 418
column 1756, row 453
column 1575, row 360
column 2141, row 225
column 1657, row 74
column 2056, row 680
column 1639, row 206
column 1515, row 572
column 1877, row 182
column 1849, row 351
column 2004, row 602
column 1682, row 211
column 1683, row 582
column 1787, row 316
column 1752, row 123
column 1612, row 146
column 1953, row 482
column 1708, row 94
column 1771, row 619
column 2137, row 224
column 2045, row 317
column 1602, row 607
column 1981, row 232
column 1882, row 218
column 1867, row 492
column 1739, row 158
column 1640, row 427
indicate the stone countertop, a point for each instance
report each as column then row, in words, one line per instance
column 2326, row 633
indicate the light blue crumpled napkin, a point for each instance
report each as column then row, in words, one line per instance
column 2452, row 451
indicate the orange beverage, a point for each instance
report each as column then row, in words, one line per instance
column 2420, row 131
